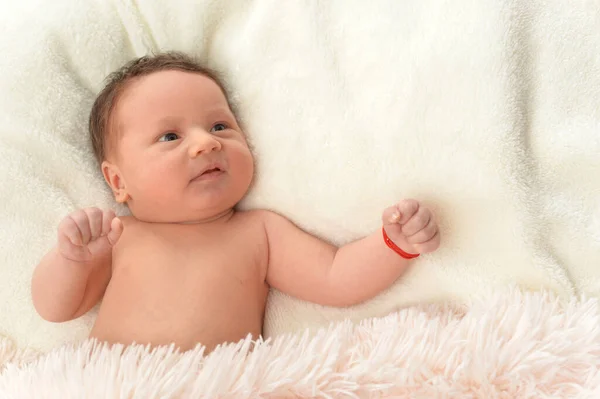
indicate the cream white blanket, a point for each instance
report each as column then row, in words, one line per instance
column 489, row 111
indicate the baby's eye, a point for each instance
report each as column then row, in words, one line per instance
column 168, row 137
column 218, row 127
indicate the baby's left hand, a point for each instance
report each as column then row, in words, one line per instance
column 411, row 227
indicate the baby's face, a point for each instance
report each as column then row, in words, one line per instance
column 179, row 154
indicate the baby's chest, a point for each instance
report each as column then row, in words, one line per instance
column 218, row 259
column 169, row 286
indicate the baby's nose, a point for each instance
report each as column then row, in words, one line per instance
column 202, row 143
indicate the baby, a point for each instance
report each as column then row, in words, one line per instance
column 187, row 267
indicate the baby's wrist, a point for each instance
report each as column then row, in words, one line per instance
column 70, row 261
column 394, row 247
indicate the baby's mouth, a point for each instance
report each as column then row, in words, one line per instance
column 213, row 170
column 209, row 174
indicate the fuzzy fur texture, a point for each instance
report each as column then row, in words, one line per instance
column 488, row 111
column 509, row 345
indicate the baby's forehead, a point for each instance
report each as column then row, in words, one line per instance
column 169, row 88
column 166, row 79
column 165, row 93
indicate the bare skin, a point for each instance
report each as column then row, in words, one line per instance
column 186, row 267
column 216, row 286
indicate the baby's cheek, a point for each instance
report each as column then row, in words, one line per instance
column 157, row 178
column 244, row 162
column 245, row 174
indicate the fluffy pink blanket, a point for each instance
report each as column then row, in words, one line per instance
column 509, row 345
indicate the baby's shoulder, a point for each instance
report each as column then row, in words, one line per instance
column 270, row 222
column 258, row 216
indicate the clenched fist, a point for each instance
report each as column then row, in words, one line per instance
column 412, row 227
column 87, row 234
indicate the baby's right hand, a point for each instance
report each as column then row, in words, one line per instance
column 87, row 234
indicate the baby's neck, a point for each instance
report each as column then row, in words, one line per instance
column 222, row 217
column 218, row 218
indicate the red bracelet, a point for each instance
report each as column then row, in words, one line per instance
column 396, row 248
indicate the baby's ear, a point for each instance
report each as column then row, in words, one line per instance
column 113, row 177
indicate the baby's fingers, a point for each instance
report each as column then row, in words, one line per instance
column 391, row 215
column 82, row 223
column 69, row 233
column 94, row 220
column 407, row 209
column 401, row 212
column 116, row 229
column 107, row 218
column 70, row 241
column 430, row 245
column 425, row 234
column 417, row 222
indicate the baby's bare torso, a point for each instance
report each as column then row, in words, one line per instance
column 187, row 284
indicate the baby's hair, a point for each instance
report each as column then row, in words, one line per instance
column 117, row 81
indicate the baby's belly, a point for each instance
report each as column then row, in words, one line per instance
column 185, row 304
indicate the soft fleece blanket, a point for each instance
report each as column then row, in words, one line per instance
column 489, row 111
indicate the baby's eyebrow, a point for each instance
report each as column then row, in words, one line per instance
column 169, row 120
column 218, row 110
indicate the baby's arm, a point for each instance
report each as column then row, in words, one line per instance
column 72, row 277
column 308, row 268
